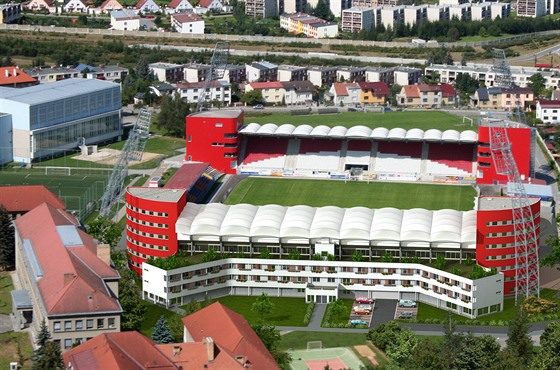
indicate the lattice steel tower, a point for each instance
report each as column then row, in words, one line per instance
column 218, row 66
column 132, row 151
column 526, row 247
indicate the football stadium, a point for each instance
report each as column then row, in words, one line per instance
column 323, row 212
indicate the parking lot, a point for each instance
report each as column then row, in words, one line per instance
column 406, row 313
column 362, row 311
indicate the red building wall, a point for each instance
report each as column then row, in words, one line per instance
column 212, row 137
column 150, row 227
column 522, row 145
column 490, row 248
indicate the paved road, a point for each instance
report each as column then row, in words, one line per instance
column 541, row 53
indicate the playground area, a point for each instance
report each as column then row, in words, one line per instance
column 109, row 156
column 337, row 358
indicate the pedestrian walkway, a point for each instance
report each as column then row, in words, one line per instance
column 317, row 317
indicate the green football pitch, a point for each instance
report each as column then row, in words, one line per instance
column 406, row 120
column 77, row 190
column 319, row 193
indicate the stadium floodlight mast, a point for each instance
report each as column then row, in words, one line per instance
column 218, row 66
column 132, row 151
column 525, row 238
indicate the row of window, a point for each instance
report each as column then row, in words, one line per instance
column 146, row 245
column 500, row 257
column 146, row 223
column 146, row 212
column 149, row 235
column 70, row 325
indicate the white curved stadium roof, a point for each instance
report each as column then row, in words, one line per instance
column 217, row 221
column 363, row 132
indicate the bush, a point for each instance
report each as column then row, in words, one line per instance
column 539, row 306
column 309, row 313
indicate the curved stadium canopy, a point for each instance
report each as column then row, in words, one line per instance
column 360, row 132
column 272, row 223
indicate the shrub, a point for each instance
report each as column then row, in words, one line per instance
column 308, row 313
column 539, row 306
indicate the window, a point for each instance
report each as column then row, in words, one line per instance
column 67, row 325
column 78, row 341
column 89, row 324
column 79, row 324
column 67, row 343
column 56, row 326
column 100, row 323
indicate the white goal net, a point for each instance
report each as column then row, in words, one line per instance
column 63, row 171
column 314, row 344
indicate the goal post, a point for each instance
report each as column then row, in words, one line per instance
column 314, row 345
column 63, row 171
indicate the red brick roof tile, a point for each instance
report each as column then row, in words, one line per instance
column 411, row 91
column 267, row 85
column 194, row 355
column 23, row 198
column 186, row 176
column 14, row 75
column 380, row 88
column 231, row 331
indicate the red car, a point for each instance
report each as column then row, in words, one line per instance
column 365, row 300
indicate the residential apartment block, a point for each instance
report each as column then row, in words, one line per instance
column 291, row 73
column 351, row 74
column 260, row 9
column 52, row 74
column 196, row 72
column 427, row 96
column 67, row 277
column 531, row 8
column 10, row 13
column 215, row 91
column 501, row 98
column 356, row 19
column 261, row 72
column 321, row 75
column 548, row 111
column 188, row 22
column 311, row 26
column 167, row 72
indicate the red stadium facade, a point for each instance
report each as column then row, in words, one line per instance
column 212, row 137
column 151, row 214
column 495, row 239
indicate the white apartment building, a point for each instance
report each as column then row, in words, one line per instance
column 261, row 71
column 435, row 13
column 187, row 23
column 480, row 11
column 548, row 111
column 261, row 8
column 196, row 72
column 321, row 75
column 216, row 91
column 167, row 72
column 415, row 14
column 351, row 74
column 125, row 20
column 390, row 17
column 356, row 19
column 337, row 6
column 322, row 282
column 531, row 8
column 461, row 12
column 291, row 73
column 501, row 10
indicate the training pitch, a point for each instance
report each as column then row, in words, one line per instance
column 319, row 193
column 338, row 358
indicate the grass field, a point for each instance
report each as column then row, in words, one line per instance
column 9, row 343
column 318, row 193
column 6, row 286
column 76, row 190
column 407, row 120
column 299, row 339
column 287, row 311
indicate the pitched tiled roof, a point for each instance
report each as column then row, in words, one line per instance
column 73, row 275
column 194, row 355
column 447, row 90
column 380, row 88
column 187, row 17
column 411, row 91
column 549, row 103
column 267, row 85
column 14, row 75
column 341, row 88
column 128, row 350
column 174, row 3
column 23, row 198
column 205, row 3
column 140, row 4
column 300, row 86
column 112, row 2
column 201, row 84
column 230, row 331
column 428, row 88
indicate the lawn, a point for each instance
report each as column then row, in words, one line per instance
column 287, row 311
column 342, row 318
column 406, row 119
column 6, row 286
column 319, row 193
column 299, row 339
column 153, row 313
column 9, row 342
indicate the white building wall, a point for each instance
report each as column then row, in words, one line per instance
column 6, row 146
column 191, row 27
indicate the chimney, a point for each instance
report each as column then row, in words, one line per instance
column 7, row 73
column 15, row 72
column 68, row 277
column 176, row 350
column 104, row 253
column 209, row 348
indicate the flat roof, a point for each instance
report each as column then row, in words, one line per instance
column 159, row 194
column 21, row 299
column 43, row 93
column 495, row 203
column 222, row 113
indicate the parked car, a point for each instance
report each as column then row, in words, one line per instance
column 363, row 309
column 405, row 315
column 365, row 300
column 359, row 322
column 407, row 303
column 258, row 106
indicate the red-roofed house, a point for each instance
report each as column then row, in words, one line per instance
column 21, row 199
column 548, row 111
column 374, row 93
column 211, row 4
column 147, row 6
column 69, row 277
column 188, row 22
column 345, row 93
column 448, row 94
column 272, row 92
column 15, row 77
column 76, row 6
column 40, row 5
column 109, row 5
column 179, row 6
column 231, row 331
column 427, row 96
column 132, row 351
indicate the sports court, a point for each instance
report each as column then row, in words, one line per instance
column 337, row 358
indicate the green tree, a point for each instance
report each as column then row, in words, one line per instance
column 270, row 337
column 143, row 70
column 105, row 230
column 162, row 332
column 476, row 353
column 384, row 334
column 7, row 241
column 323, row 11
column 440, row 262
column 43, row 336
column 482, row 32
column 265, row 254
column 394, row 90
column 440, row 56
column 453, row 34
column 252, row 97
column 47, row 356
column 519, row 343
column 210, row 255
column 387, row 257
column 401, row 349
column 537, row 84
column 337, row 308
column 427, row 356
column 451, row 340
column 172, row 115
column 131, row 301
column 552, row 258
column 357, row 256
column 294, row 254
column 549, row 355
column 262, row 306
